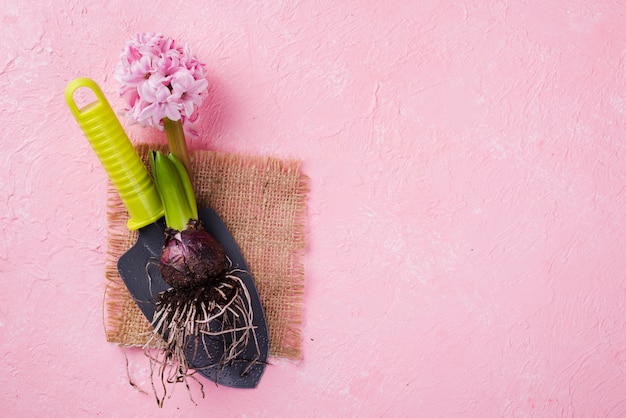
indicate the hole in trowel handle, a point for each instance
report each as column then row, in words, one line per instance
column 82, row 94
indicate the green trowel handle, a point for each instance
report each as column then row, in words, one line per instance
column 117, row 155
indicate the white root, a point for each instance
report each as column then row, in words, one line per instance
column 193, row 320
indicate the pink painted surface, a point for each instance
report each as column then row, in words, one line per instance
column 466, row 225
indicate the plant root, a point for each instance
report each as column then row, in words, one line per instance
column 198, row 323
column 130, row 379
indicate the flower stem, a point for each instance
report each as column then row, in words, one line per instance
column 177, row 143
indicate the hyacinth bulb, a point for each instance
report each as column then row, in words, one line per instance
column 192, row 258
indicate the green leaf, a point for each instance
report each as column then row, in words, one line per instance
column 186, row 181
column 178, row 209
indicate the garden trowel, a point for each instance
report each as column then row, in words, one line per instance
column 137, row 266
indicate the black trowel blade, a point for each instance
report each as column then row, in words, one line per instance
column 139, row 271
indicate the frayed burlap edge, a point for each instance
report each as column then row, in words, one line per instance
column 262, row 200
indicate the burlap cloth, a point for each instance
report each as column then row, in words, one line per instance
column 263, row 202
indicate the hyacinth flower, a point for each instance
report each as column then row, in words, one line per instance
column 163, row 84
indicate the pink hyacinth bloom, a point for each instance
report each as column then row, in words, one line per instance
column 160, row 78
column 161, row 103
column 188, row 90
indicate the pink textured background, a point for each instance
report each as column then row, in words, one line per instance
column 466, row 224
